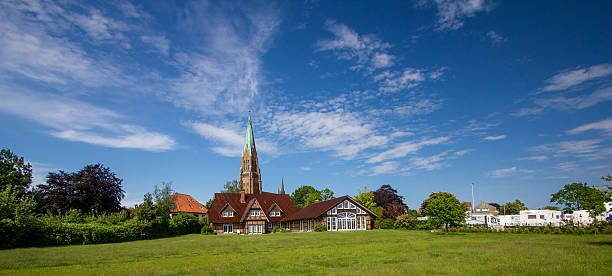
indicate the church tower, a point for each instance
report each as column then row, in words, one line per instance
column 250, row 177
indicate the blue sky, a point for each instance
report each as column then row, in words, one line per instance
column 423, row 95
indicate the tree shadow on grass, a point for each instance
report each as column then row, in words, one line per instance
column 600, row 243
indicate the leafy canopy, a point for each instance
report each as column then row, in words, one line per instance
column 444, row 208
column 512, row 208
column 92, row 188
column 14, row 173
column 579, row 196
column 306, row 195
column 392, row 204
column 231, row 187
column 366, row 198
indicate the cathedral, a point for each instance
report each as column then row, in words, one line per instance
column 253, row 211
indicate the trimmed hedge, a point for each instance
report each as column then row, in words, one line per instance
column 603, row 228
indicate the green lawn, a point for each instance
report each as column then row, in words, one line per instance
column 362, row 252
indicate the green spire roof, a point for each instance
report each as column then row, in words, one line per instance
column 249, row 141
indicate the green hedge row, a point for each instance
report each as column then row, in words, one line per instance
column 47, row 231
column 601, row 229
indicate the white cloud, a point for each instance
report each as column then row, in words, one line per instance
column 589, row 149
column 535, row 158
column 418, row 107
column 495, row 38
column 567, row 79
column 160, row 43
column 384, row 168
column 391, row 81
column 451, row 13
column 306, row 169
column 346, row 134
column 402, row 149
column 82, row 122
column 226, row 69
column 370, row 54
column 604, row 126
column 494, row 138
column 568, row 103
column 500, row 173
column 368, row 51
column 230, row 143
column 39, row 56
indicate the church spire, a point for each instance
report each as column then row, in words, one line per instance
column 249, row 141
column 250, row 177
column 282, row 189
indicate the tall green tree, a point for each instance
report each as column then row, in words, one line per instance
column 231, row 187
column 579, row 196
column 327, row 194
column 14, row 173
column 444, row 208
column 512, row 208
column 305, row 195
column 365, row 197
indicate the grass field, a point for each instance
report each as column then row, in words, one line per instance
column 362, row 252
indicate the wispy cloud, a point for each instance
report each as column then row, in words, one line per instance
column 452, row 13
column 159, row 43
column 534, row 158
column 384, row 168
column 589, row 149
column 402, row 149
column 494, row 138
column 500, row 173
column 228, row 141
column 74, row 120
column 368, row 51
column 570, row 78
column 605, row 126
column 371, row 54
column 226, row 69
column 567, row 103
column 495, row 38
column 344, row 133
column 306, row 169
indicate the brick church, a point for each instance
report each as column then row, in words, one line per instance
column 254, row 211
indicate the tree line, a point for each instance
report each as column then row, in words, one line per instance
column 80, row 207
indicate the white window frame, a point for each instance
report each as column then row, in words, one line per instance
column 228, row 228
column 275, row 214
column 228, row 214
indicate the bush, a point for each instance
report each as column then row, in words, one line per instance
column 207, row 230
column 386, row 223
column 320, row 227
column 557, row 231
column 184, row 223
column 277, row 229
column 406, row 221
column 546, row 230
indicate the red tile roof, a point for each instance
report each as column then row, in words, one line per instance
column 186, row 203
column 265, row 200
column 316, row 209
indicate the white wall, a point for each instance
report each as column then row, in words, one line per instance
column 542, row 218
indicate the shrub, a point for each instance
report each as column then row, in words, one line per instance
column 277, row 229
column 581, row 231
column 184, row 223
column 207, row 230
column 320, row 227
column 406, row 221
column 546, row 230
column 536, row 230
column 557, row 231
column 386, row 223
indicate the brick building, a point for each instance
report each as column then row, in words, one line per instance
column 256, row 212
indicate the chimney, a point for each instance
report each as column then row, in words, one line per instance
column 317, row 201
column 242, row 197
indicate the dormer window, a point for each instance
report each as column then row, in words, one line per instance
column 254, row 213
column 228, row 214
column 275, row 214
